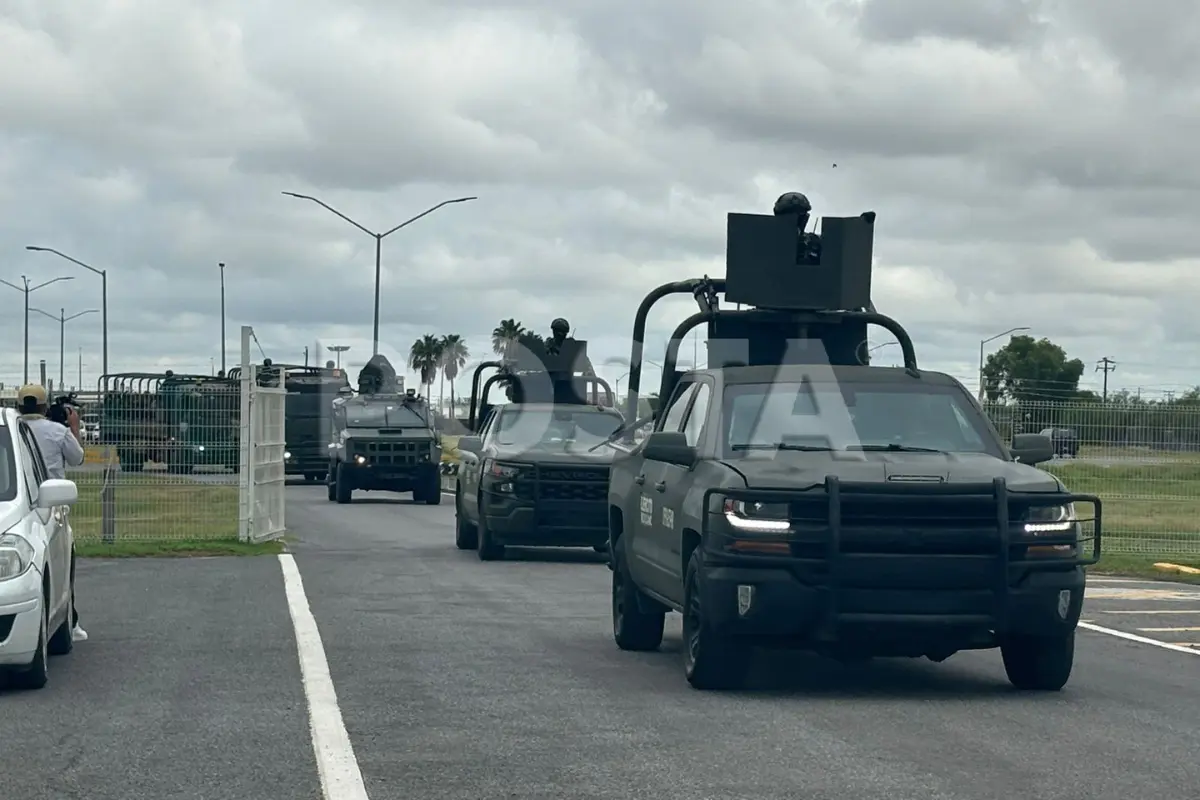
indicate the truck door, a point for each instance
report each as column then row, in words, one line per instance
column 677, row 482
column 649, row 559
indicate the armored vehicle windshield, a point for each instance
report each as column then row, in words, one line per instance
column 380, row 414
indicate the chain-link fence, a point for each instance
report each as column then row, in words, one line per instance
column 1141, row 459
column 163, row 463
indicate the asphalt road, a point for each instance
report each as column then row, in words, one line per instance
column 459, row 679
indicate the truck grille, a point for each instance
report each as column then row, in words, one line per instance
column 572, row 497
column 385, row 452
column 918, row 525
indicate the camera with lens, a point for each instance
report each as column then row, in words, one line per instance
column 58, row 410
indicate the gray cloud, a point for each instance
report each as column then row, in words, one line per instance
column 1030, row 162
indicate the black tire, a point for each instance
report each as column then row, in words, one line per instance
column 37, row 674
column 1039, row 663
column 433, row 490
column 466, row 535
column 710, row 661
column 61, row 642
column 329, row 482
column 342, row 489
column 634, row 628
column 486, row 546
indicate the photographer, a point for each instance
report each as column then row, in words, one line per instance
column 59, row 442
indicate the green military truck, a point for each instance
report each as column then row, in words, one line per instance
column 182, row 421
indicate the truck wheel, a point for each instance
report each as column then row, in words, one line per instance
column 342, row 485
column 633, row 627
column 710, row 661
column 466, row 535
column 1039, row 663
column 486, row 547
column 432, row 496
column 329, row 482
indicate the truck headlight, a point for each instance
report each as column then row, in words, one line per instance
column 1050, row 519
column 498, row 469
column 754, row 517
column 16, row 556
column 360, row 459
column 286, row 455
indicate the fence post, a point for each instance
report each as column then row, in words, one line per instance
column 108, row 505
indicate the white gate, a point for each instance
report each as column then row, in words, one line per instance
column 262, row 498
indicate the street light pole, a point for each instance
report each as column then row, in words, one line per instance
column 103, row 293
column 62, row 319
column 379, row 237
column 992, row 339
column 27, row 290
column 222, row 266
column 339, row 349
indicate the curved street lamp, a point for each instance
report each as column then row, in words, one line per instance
column 378, row 237
column 982, row 342
column 27, row 290
column 62, row 319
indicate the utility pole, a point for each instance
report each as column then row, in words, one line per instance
column 222, row 266
column 1105, row 365
column 80, row 386
column 378, row 237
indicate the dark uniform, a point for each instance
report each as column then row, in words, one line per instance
column 808, row 247
column 559, row 330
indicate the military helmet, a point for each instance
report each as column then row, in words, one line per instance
column 792, row 203
column 560, row 326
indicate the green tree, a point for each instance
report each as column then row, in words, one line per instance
column 1029, row 370
column 454, row 354
column 505, row 335
column 424, row 357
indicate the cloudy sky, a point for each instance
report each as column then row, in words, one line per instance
column 1028, row 160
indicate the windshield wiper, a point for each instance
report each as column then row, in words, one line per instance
column 803, row 448
column 893, row 448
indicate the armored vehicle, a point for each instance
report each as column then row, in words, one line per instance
column 309, row 415
column 529, row 475
column 792, row 495
column 182, row 421
column 383, row 440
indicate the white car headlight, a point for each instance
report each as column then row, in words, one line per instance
column 16, row 556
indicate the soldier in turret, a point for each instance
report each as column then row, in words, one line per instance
column 560, row 331
column 808, row 249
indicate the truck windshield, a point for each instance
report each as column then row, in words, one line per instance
column 557, row 429
column 383, row 415
column 874, row 416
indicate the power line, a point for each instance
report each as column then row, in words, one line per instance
column 1105, row 365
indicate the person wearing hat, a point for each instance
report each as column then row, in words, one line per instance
column 60, row 445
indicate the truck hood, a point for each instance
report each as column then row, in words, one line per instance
column 393, row 433
column 786, row 469
column 577, row 457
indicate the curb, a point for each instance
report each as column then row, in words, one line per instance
column 1163, row 566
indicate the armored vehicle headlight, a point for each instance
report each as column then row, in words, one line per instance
column 286, row 455
column 755, row 517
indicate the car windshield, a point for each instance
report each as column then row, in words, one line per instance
column 8, row 467
column 383, row 415
column 872, row 416
column 557, row 429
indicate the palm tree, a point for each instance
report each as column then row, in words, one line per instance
column 454, row 358
column 505, row 335
column 424, row 357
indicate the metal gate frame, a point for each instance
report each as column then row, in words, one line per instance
column 262, row 481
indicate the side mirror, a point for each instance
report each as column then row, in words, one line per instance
column 470, row 444
column 1032, row 448
column 57, row 492
column 670, row 447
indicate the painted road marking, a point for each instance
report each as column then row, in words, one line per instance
column 341, row 778
column 1150, row 611
column 1169, row 630
column 1166, row 595
column 1133, row 637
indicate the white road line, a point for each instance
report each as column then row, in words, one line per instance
column 1133, row 637
column 1169, row 630
column 341, row 778
column 1150, row 611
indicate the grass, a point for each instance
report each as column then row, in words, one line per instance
column 176, row 548
column 1143, row 567
column 157, row 508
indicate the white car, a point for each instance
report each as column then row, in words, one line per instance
column 37, row 558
